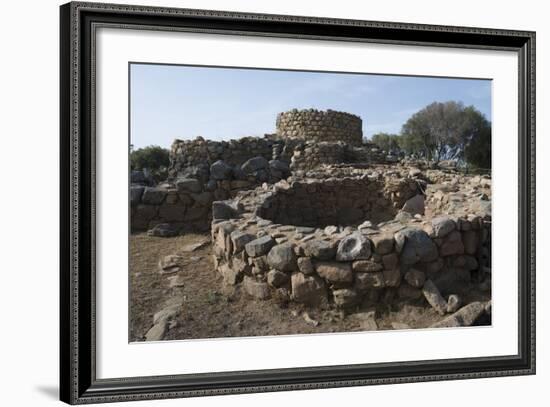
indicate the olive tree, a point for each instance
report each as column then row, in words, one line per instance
column 449, row 130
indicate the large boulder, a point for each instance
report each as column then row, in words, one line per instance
column 219, row 170
column 320, row 249
column 240, row 239
column 260, row 246
column 308, row 289
column 414, row 245
column 200, row 172
column 282, row 257
column 255, row 164
column 354, row 247
column 442, row 226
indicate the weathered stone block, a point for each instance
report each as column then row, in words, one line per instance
column 256, row 289
column 259, row 246
column 334, row 271
column 282, row 257
column 383, row 244
column 308, row 289
column 354, row 247
column 320, row 249
column 415, row 245
column 240, row 239
column 219, row 170
column 442, row 226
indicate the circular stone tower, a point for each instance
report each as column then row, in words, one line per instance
column 318, row 125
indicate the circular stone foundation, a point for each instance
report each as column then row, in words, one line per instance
column 343, row 202
column 318, row 125
column 335, row 242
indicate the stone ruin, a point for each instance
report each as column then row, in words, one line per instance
column 203, row 171
column 311, row 214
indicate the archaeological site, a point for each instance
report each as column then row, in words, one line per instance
column 310, row 229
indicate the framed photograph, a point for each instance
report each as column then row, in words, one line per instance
column 255, row 203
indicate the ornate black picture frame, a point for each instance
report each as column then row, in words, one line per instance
column 77, row 275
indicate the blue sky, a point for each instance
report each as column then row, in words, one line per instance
column 169, row 102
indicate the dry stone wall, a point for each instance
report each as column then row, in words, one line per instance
column 313, row 154
column 187, row 155
column 186, row 202
column 404, row 259
column 333, row 201
column 316, row 125
column 203, row 171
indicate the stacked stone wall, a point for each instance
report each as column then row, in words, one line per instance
column 312, row 154
column 185, row 154
column 316, row 125
column 186, row 201
column 346, row 266
column 345, row 201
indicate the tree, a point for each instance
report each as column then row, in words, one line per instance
column 386, row 141
column 152, row 158
column 477, row 133
column 443, row 131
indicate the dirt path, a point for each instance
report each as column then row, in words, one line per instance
column 211, row 310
